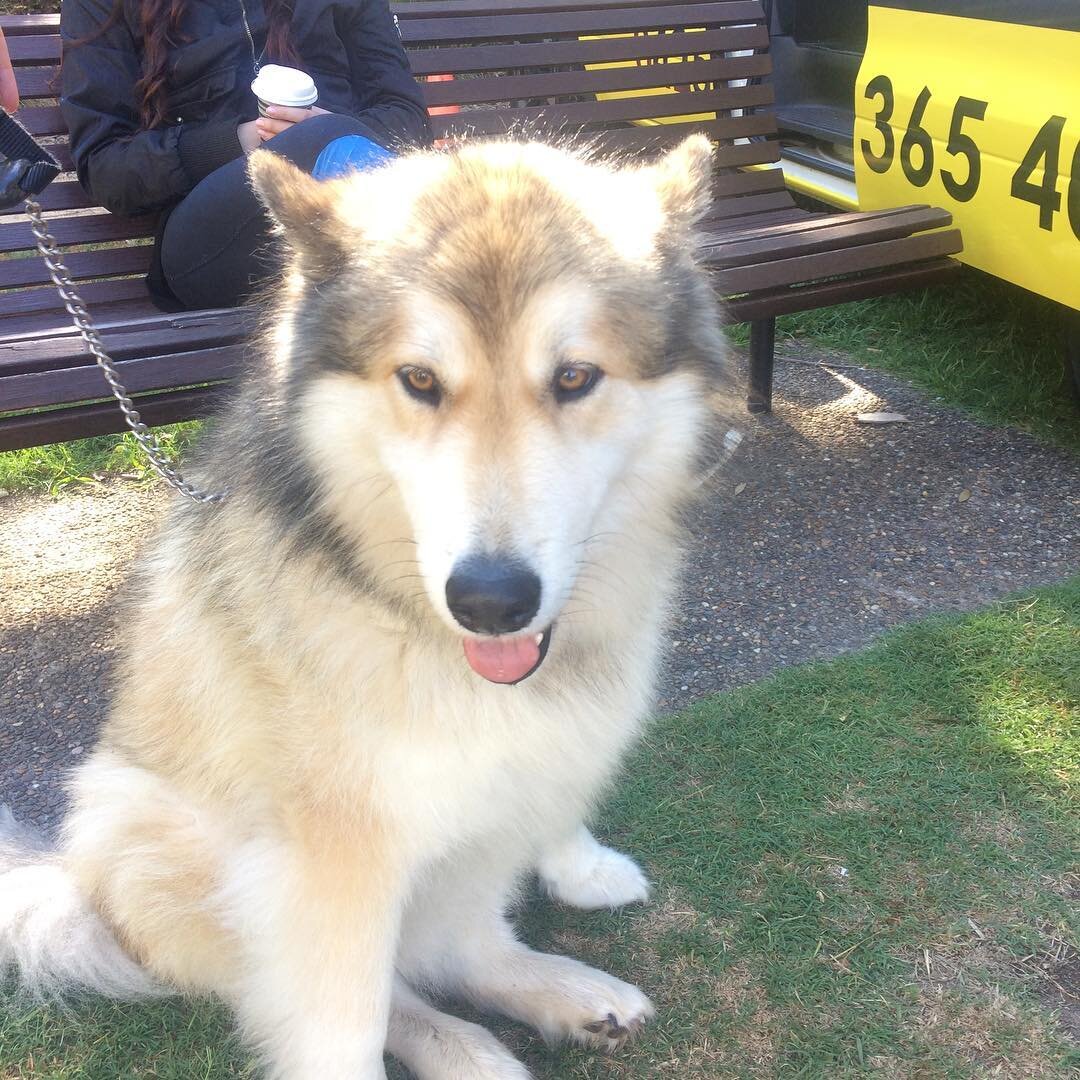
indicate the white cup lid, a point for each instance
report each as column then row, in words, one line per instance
column 288, row 86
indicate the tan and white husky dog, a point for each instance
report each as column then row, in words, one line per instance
column 396, row 668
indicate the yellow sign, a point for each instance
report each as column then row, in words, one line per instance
column 982, row 118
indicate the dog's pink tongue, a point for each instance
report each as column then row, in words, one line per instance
column 503, row 660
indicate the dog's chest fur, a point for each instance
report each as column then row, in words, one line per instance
column 445, row 754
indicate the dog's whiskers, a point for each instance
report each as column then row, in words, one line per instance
column 600, row 535
column 604, row 568
column 402, row 562
column 405, row 577
column 383, row 543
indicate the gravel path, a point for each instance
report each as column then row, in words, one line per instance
column 820, row 534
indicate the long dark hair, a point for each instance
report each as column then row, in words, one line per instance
column 160, row 22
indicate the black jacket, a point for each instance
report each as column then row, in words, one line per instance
column 349, row 47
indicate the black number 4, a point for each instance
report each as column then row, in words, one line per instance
column 1045, row 148
column 959, row 143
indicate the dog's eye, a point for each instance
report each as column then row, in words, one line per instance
column 420, row 384
column 575, row 380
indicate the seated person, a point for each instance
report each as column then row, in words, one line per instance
column 157, row 98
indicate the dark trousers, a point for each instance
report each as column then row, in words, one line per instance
column 215, row 247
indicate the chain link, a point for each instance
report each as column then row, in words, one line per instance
column 81, row 317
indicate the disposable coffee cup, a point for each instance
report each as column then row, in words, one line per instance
column 286, row 86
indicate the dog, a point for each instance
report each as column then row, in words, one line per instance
column 398, row 666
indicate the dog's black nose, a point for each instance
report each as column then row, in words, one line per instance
column 492, row 594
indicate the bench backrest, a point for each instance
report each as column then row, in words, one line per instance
column 597, row 69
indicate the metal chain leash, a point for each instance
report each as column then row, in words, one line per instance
column 81, row 317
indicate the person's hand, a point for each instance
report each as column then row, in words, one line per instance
column 9, row 92
column 249, row 137
column 282, row 118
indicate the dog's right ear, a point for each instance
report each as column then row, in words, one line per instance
column 304, row 209
column 683, row 179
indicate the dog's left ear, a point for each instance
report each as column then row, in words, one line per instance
column 683, row 179
column 305, row 209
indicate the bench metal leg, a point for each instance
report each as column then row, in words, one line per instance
column 762, row 348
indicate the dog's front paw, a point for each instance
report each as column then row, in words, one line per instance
column 615, row 1017
column 585, row 874
column 588, row 1006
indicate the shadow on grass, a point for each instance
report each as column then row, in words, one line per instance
column 860, row 865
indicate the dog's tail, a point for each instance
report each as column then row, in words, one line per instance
column 51, row 940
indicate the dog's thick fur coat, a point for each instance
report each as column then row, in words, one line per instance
column 304, row 800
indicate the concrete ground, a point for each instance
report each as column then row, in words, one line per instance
column 818, row 535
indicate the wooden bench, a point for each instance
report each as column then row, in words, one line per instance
column 568, row 68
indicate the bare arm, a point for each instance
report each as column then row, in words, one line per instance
column 9, row 92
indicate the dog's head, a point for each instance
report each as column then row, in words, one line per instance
column 500, row 357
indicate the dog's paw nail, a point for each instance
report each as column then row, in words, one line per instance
column 614, row 1031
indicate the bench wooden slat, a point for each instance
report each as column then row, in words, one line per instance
column 156, row 336
column 767, row 227
column 574, row 22
column 742, row 206
column 25, row 50
column 727, row 185
column 43, row 120
column 112, row 262
column 19, row 25
column 38, row 310
column 439, row 9
column 740, row 222
column 579, row 115
column 78, row 229
column 140, row 314
column 829, row 232
column 768, row 304
column 646, row 140
column 56, row 425
column 848, row 261
column 66, row 386
column 741, row 225
column 59, row 195
column 556, row 83
column 451, row 59
column 38, row 82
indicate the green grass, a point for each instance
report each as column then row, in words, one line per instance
column 84, row 461
column 978, row 343
column 865, row 868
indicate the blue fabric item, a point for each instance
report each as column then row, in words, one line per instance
column 350, row 152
